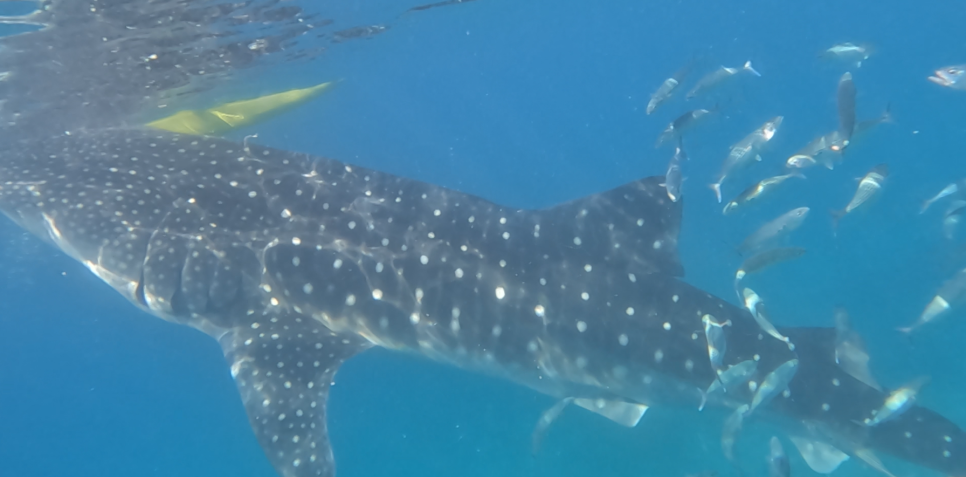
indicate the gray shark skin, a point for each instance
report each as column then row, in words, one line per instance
column 296, row 263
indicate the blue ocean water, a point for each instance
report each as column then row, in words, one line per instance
column 529, row 105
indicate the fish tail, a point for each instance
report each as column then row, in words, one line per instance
column 836, row 217
column 662, row 139
column 749, row 69
column 887, row 114
column 716, row 187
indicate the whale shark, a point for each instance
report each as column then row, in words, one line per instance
column 295, row 263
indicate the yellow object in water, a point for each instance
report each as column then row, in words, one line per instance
column 229, row 116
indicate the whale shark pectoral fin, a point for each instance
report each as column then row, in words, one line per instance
column 622, row 412
column 283, row 369
column 820, row 457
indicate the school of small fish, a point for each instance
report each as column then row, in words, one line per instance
column 765, row 247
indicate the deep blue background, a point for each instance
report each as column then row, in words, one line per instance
column 530, row 104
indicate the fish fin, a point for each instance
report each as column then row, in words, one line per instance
column 858, row 64
column 836, row 217
column 855, row 362
column 625, row 413
column 918, row 383
column 749, row 69
column 283, row 370
column 869, row 457
column 546, row 419
column 820, row 457
column 704, row 399
column 655, row 220
column 758, row 157
column 886, row 116
column 716, row 187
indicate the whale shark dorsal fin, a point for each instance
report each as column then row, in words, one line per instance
column 283, row 375
column 820, row 457
column 625, row 413
column 629, row 233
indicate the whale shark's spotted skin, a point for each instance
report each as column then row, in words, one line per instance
column 295, row 263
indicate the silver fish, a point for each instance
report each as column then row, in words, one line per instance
column 717, row 344
column 952, row 217
column 773, row 384
column 869, row 186
column 946, row 192
column 952, row 77
column 681, row 124
column 673, row 178
column 745, row 151
column 849, row 52
column 810, row 155
column 717, row 76
column 756, row 307
column 950, row 294
column 827, row 149
column 667, row 88
column 756, row 191
column 662, row 94
column 774, row 230
column 800, row 161
column 765, row 259
column 898, row 402
column 730, row 379
column 846, row 109
column 778, row 465
column 731, row 428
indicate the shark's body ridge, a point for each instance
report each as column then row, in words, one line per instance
column 295, row 263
